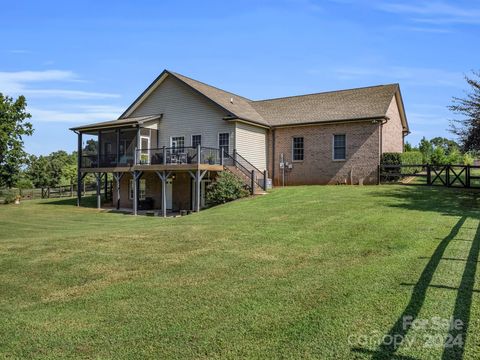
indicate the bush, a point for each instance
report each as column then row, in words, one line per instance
column 411, row 158
column 390, row 158
column 24, row 184
column 439, row 157
column 455, row 157
column 226, row 187
column 468, row 159
column 9, row 195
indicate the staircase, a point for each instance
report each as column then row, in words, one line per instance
column 252, row 177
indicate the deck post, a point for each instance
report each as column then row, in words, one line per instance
column 105, row 185
column 164, row 151
column 197, row 190
column 118, row 147
column 98, row 177
column 99, row 148
column 222, row 157
column 163, row 177
column 118, row 177
column 199, row 152
column 135, row 193
column 265, row 176
column 79, row 166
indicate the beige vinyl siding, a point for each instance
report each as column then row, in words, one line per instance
column 185, row 113
column 251, row 143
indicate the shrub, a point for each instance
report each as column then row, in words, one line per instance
column 226, row 187
column 390, row 158
column 439, row 157
column 24, row 184
column 9, row 195
column 468, row 159
column 455, row 157
column 411, row 158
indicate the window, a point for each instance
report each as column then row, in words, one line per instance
column 142, row 189
column 177, row 143
column 339, row 147
column 196, row 140
column 297, row 149
column 224, row 141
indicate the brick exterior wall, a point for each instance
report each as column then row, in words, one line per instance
column 392, row 130
column 318, row 166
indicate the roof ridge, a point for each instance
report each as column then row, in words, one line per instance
column 214, row 87
column 325, row 92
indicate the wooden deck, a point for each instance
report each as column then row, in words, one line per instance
column 155, row 167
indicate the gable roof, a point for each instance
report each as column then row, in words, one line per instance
column 138, row 120
column 342, row 105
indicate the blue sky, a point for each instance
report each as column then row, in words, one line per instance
column 82, row 62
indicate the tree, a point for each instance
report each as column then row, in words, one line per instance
column 468, row 128
column 407, row 147
column 447, row 144
column 13, row 127
column 426, row 148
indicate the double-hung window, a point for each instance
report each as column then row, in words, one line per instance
column 196, row 140
column 339, row 147
column 224, row 141
column 297, row 149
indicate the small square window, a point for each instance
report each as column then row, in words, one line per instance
column 339, row 147
column 297, row 149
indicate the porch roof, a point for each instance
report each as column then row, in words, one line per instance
column 125, row 122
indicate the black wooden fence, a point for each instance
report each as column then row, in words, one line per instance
column 466, row 176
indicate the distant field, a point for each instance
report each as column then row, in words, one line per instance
column 303, row 272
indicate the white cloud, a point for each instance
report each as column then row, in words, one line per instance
column 19, row 82
column 434, row 12
column 81, row 114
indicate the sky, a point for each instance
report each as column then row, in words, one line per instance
column 79, row 62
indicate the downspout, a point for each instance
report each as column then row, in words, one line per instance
column 273, row 156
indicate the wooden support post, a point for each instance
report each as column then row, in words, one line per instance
column 136, row 179
column 164, row 152
column 252, row 182
column 265, row 176
column 199, row 153
column 118, row 147
column 429, row 174
column 467, row 176
column 447, row 175
column 105, row 185
column 99, row 148
column 222, row 157
column 79, row 166
column 98, row 177
column 197, row 191
column 118, row 177
column 164, row 177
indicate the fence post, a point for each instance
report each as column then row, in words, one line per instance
column 252, row 182
column 467, row 176
column 429, row 174
column 447, row 175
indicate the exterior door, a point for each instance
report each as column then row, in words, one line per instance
column 169, row 194
column 144, row 150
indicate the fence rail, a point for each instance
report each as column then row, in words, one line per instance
column 466, row 176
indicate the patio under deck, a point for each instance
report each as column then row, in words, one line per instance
column 154, row 167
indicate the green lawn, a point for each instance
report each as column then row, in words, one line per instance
column 304, row 272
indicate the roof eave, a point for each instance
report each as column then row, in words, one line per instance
column 329, row 122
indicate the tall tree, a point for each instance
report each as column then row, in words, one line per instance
column 468, row 128
column 13, row 127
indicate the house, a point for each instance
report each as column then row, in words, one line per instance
column 179, row 133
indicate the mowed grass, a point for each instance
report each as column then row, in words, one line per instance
column 303, row 272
